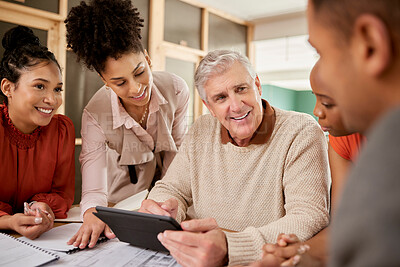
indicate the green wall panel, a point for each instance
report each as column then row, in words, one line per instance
column 279, row 97
column 305, row 102
column 287, row 99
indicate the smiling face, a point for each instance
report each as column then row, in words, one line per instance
column 325, row 109
column 234, row 98
column 35, row 98
column 130, row 78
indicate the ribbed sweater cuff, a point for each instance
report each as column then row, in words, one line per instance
column 181, row 215
column 241, row 248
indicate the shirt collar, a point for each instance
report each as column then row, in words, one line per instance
column 263, row 132
column 158, row 97
column 121, row 116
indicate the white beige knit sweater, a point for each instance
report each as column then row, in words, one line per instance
column 260, row 190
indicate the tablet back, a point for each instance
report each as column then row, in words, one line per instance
column 136, row 228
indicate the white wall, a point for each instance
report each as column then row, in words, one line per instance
column 286, row 60
column 280, row 26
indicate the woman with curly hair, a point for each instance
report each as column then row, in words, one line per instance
column 37, row 147
column 133, row 125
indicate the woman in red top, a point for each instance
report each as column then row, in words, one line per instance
column 343, row 149
column 37, row 147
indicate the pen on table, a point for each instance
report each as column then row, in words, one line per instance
column 27, row 209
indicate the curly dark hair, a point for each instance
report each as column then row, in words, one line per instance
column 102, row 29
column 22, row 50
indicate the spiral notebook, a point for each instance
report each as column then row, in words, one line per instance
column 56, row 239
column 15, row 252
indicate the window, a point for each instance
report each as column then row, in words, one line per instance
column 185, row 70
column 285, row 62
column 225, row 34
column 46, row 5
column 5, row 26
column 182, row 24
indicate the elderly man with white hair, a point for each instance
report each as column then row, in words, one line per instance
column 246, row 167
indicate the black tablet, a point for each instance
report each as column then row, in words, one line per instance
column 137, row 228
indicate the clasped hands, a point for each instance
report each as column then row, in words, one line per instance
column 36, row 219
column 288, row 251
column 201, row 243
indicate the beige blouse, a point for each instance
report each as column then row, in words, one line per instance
column 111, row 140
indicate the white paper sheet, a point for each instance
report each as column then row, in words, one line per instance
column 117, row 254
column 56, row 238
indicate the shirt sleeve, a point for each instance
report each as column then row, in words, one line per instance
column 366, row 223
column 93, row 164
column 179, row 126
column 61, row 196
column 306, row 184
column 5, row 208
column 341, row 146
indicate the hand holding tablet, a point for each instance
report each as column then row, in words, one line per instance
column 138, row 229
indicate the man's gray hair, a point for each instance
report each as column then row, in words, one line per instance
column 217, row 62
